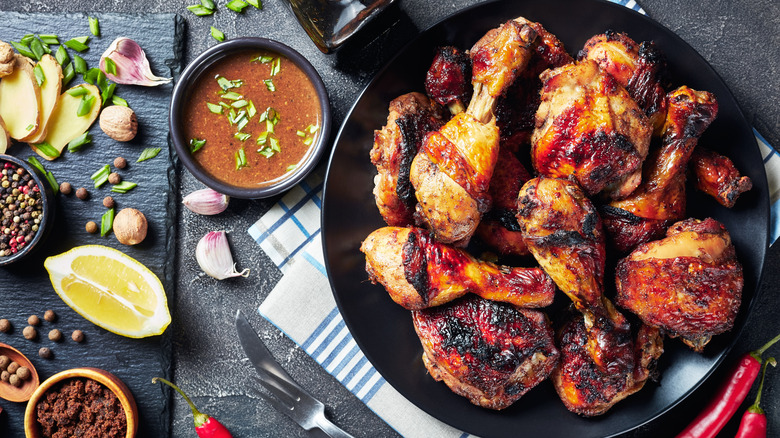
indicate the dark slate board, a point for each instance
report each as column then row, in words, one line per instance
column 25, row 288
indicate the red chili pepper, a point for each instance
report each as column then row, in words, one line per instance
column 205, row 425
column 753, row 424
column 730, row 395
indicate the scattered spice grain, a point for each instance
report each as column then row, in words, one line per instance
column 22, row 208
column 5, row 325
column 120, row 162
column 77, row 336
column 5, row 375
column 34, row 320
column 24, row 373
column 49, row 315
column 14, row 380
column 30, row 333
column 12, row 367
column 45, row 353
column 91, row 227
column 82, row 193
column 55, row 335
column 4, row 362
column 108, row 202
column 114, row 178
column 66, row 188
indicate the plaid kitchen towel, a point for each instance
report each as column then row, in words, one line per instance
column 289, row 234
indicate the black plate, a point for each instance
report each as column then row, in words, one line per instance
column 384, row 331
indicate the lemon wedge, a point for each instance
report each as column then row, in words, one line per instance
column 110, row 289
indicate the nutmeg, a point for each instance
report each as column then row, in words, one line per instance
column 119, row 122
column 130, row 226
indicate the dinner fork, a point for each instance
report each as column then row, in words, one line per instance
column 287, row 396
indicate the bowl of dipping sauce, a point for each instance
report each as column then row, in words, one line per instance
column 27, row 212
column 81, row 402
column 250, row 118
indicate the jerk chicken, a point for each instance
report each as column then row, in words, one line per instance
column 660, row 200
column 411, row 116
column 589, row 128
column 448, row 81
column 452, row 171
column 491, row 353
column 717, row 176
column 689, row 284
column 599, row 363
column 419, row 272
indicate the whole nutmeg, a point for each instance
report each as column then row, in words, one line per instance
column 130, row 226
column 119, row 122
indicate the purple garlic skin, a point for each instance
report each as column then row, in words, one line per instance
column 132, row 66
column 206, row 202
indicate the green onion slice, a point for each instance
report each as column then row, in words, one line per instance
column 77, row 91
column 232, row 95
column 110, row 66
column 226, row 84
column 208, row 4
column 276, row 66
column 240, row 158
column 27, row 39
column 77, row 143
column 68, row 73
column 37, row 48
column 94, row 26
column 216, row 109
column 269, row 84
column 85, row 105
column 239, row 104
column 217, row 34
column 200, row 11
column 116, row 100
column 40, row 77
column 262, row 138
column 48, row 150
column 62, row 56
column 124, row 187
column 107, row 221
column 79, row 64
column 23, row 49
column 237, row 5
column 242, row 136
column 78, row 44
column 251, row 110
column 196, row 144
column 256, row 3
column 49, row 39
column 148, row 154
column 100, row 177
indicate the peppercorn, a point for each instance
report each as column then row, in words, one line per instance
column 91, row 227
column 55, row 335
column 120, row 162
column 108, row 201
column 77, row 336
column 14, row 380
column 12, row 367
column 82, row 193
column 114, row 178
column 5, row 325
column 50, row 316
column 4, row 362
column 66, row 188
column 5, row 375
column 45, row 353
column 29, row 333
column 34, row 320
column 24, row 373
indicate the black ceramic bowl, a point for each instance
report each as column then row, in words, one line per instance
column 185, row 86
column 47, row 212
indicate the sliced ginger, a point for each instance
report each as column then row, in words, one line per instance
column 20, row 101
column 65, row 124
column 50, row 93
column 5, row 139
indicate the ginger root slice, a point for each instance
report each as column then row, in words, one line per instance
column 50, row 93
column 20, row 101
column 65, row 124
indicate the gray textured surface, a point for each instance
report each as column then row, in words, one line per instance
column 740, row 39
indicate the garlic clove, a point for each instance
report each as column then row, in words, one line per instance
column 206, row 202
column 132, row 67
column 214, row 257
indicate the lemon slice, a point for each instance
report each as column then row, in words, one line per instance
column 110, row 289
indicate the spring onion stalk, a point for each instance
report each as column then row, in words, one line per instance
column 77, row 91
column 100, row 177
column 108, row 93
column 124, row 187
column 78, row 44
column 23, row 49
column 256, row 3
column 85, row 105
column 62, row 56
column 200, row 10
column 237, row 5
column 37, row 48
column 79, row 65
column 48, row 150
column 107, row 221
column 217, row 34
column 40, row 77
column 196, row 144
column 68, row 73
column 77, row 143
column 148, row 154
column 94, row 26
column 214, row 108
column 49, row 39
column 116, row 100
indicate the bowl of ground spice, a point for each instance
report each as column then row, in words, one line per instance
column 82, row 402
column 26, row 209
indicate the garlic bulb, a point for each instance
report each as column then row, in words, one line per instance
column 130, row 65
column 214, row 257
column 206, row 202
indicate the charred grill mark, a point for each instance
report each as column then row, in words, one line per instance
column 562, row 238
column 415, row 263
column 624, row 216
column 505, row 217
column 413, row 128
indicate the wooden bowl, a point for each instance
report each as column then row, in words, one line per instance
column 31, row 428
column 24, row 392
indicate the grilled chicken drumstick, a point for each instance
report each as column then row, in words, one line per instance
column 452, row 171
column 717, row 176
column 419, row 272
column 599, row 363
column 689, row 284
column 491, row 353
column 448, row 81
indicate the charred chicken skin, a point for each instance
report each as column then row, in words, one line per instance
column 491, row 353
column 563, row 231
column 717, row 176
column 419, row 272
column 639, row 68
column 660, row 200
column 411, row 116
column 689, row 284
column 448, row 81
column 451, row 173
column 589, row 128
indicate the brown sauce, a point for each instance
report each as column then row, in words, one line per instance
column 252, row 152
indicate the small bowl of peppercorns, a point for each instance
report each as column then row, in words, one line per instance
column 26, row 209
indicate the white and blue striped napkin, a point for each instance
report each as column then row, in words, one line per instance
column 289, row 233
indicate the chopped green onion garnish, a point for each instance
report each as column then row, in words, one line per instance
column 256, row 3
column 101, row 80
column 107, row 221
column 68, row 73
column 62, row 56
column 276, row 66
column 148, row 154
column 199, row 10
column 37, row 48
column 36, row 164
column 27, row 39
column 265, row 59
column 240, row 158
column 94, row 26
column 232, row 95
column 239, row 104
column 262, row 138
column 208, row 4
column 308, row 141
column 110, row 66
column 23, row 49
column 300, row 133
column 251, row 110
column 40, row 77
column 269, row 126
column 77, row 143
column 242, row 121
column 124, row 187
column 243, row 136
column 78, row 44
column 236, row 5
column 270, row 85
column 216, row 109
column 49, row 39
column 29, row 127
column 48, row 150
column 226, row 83
column 273, row 142
column 292, row 167
column 78, row 91
column 79, row 64
column 108, row 93
column 85, row 105
column 196, row 144
column 313, row 128
column 217, row 34
column 100, row 177
column 266, row 152
column 116, row 100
